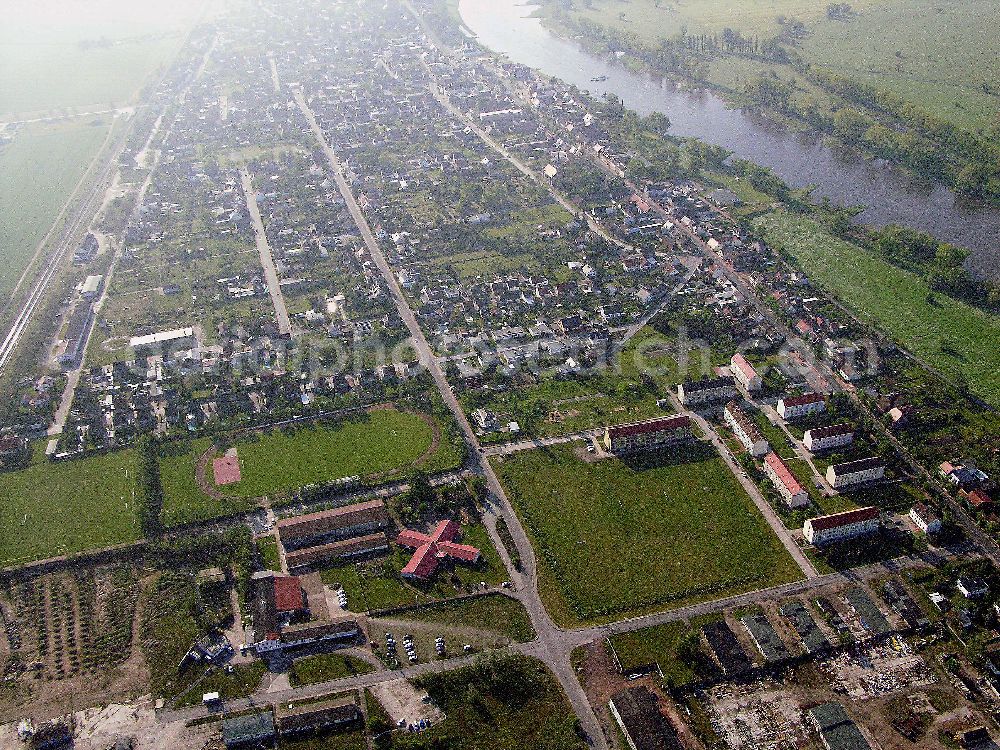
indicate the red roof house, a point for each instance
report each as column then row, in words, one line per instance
column 288, row 594
column 434, row 547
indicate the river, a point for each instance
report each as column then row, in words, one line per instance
column 506, row 27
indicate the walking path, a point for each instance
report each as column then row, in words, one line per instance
column 266, row 259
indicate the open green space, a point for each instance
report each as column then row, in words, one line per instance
column 324, row 667
column 500, row 703
column 65, row 507
column 39, row 169
column 183, row 500
column 651, row 532
column 958, row 340
column 381, row 445
column 941, row 57
column 241, row 682
column 375, row 584
column 667, row 648
column 494, row 612
column 381, row 442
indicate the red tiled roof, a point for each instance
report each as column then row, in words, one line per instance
column 978, row 498
column 846, row 518
column 805, row 398
column 783, row 473
column 413, row 539
column 287, row 594
column 663, row 424
column 226, row 470
column 434, row 547
column 740, row 362
column 464, row 552
column 446, row 531
column 423, row 563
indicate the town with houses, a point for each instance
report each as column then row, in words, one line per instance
column 380, row 337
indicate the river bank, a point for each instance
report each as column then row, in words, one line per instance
column 800, row 159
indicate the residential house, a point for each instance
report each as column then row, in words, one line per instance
column 705, row 391
column 854, row 473
column 828, row 438
column 796, row 407
column 745, row 430
column 649, row 435
column 745, row 373
column 784, row 481
column 840, row 526
column 925, row 519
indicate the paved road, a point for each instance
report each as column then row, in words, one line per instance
column 266, row 259
column 526, row 583
column 569, row 639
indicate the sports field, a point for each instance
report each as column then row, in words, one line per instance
column 958, row 340
column 664, row 534
column 39, row 169
column 61, row 508
column 381, row 442
column 379, row 446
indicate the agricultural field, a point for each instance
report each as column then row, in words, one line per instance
column 39, row 169
column 77, row 627
column 55, row 60
column 961, row 342
column 641, row 529
column 68, row 506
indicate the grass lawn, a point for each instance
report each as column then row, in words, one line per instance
column 244, row 681
column 494, row 612
column 168, row 630
column 268, row 548
column 325, row 667
column 375, row 584
column 381, row 443
column 501, row 703
column 183, row 500
column 659, row 645
column 557, row 407
column 39, row 170
column 650, row 534
column 60, row 508
column 956, row 339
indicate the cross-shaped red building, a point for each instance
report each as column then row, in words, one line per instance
column 434, row 547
